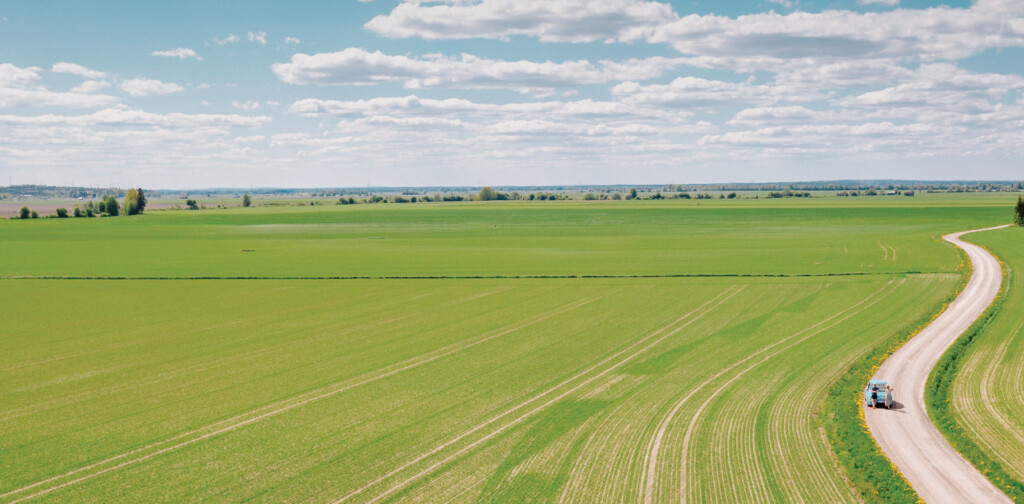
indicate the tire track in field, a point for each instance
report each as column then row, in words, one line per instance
column 275, row 409
column 700, row 410
column 203, row 366
column 702, row 309
column 655, row 443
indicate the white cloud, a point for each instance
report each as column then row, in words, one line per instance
column 247, row 106
column 11, row 75
column 768, row 40
column 113, row 117
column 548, row 20
column 693, row 92
column 260, row 37
column 72, row 68
column 90, row 86
column 230, row 39
column 180, row 53
column 356, row 66
column 292, row 40
column 888, row 3
column 145, row 87
column 18, row 89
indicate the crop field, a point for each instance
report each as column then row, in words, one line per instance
column 577, row 352
column 988, row 390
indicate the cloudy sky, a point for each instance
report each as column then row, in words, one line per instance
column 191, row 94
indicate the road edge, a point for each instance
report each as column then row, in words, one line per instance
column 937, row 390
column 864, row 465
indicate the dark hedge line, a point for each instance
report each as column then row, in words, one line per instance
column 936, row 394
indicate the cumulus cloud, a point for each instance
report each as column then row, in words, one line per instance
column 247, row 106
column 548, row 20
column 90, row 86
column 356, row 66
column 18, row 89
column 72, row 68
column 686, row 92
column 180, row 53
column 292, row 40
column 145, row 87
column 11, row 75
column 769, row 39
column 230, row 39
column 260, row 37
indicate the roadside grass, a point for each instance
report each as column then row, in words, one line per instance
column 975, row 392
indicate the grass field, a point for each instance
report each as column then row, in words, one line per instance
column 988, row 390
column 465, row 389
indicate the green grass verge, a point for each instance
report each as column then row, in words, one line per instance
column 867, row 468
column 937, row 398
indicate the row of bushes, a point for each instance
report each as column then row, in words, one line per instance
column 108, row 206
column 936, row 396
column 867, row 468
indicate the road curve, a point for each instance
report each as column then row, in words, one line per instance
column 934, row 469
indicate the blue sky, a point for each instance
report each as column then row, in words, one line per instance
column 473, row 92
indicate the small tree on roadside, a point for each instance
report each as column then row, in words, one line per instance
column 77, row 212
column 35, row 214
column 632, row 193
column 1018, row 217
column 191, row 204
column 62, row 213
column 246, row 200
column 24, row 214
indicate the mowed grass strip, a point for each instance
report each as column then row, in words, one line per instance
column 987, row 392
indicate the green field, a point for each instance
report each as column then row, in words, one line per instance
column 988, row 391
column 695, row 368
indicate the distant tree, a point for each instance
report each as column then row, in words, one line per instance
column 89, row 213
column 732, row 195
column 77, row 212
column 191, row 204
column 101, row 207
column 24, row 214
column 112, row 207
column 590, row 196
column 1018, row 217
column 632, row 193
column 246, row 200
column 142, row 200
column 657, row 195
column 131, row 202
column 616, row 196
column 35, row 214
column 62, row 213
column 487, row 194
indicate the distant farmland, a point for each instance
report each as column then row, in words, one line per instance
column 689, row 364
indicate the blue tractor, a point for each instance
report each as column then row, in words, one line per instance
column 879, row 393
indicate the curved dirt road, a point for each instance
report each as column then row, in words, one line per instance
column 934, row 469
